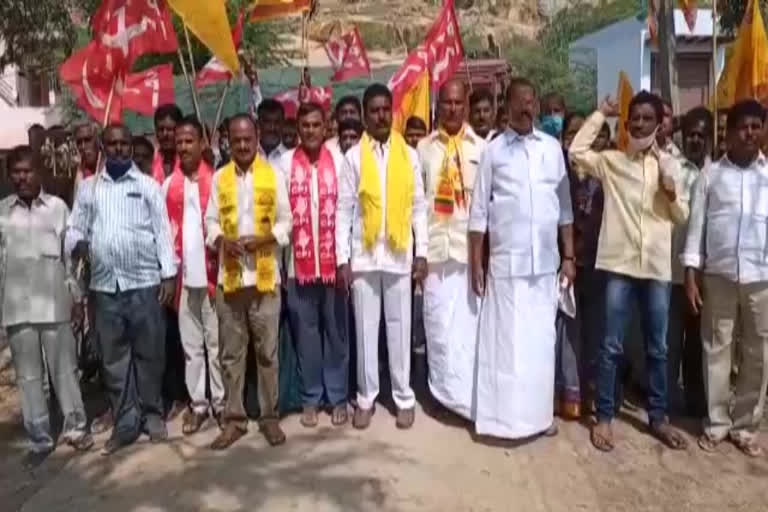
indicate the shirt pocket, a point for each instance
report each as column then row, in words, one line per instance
column 49, row 246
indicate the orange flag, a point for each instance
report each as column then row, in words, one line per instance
column 745, row 74
column 690, row 12
column 624, row 94
column 268, row 9
column 414, row 103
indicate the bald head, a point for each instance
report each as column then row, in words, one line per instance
column 451, row 101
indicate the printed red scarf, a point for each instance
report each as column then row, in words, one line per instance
column 158, row 172
column 301, row 207
column 175, row 203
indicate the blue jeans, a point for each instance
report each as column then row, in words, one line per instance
column 653, row 299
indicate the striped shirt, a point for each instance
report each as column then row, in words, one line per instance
column 126, row 225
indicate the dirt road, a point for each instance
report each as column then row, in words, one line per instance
column 435, row 467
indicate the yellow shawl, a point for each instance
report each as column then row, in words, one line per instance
column 399, row 194
column 264, row 212
column 450, row 191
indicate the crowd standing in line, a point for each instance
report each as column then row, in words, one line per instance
column 451, row 240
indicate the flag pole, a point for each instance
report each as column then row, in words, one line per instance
column 220, row 108
column 714, row 75
column 191, row 82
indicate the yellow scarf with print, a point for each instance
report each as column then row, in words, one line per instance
column 399, row 193
column 450, row 191
column 264, row 213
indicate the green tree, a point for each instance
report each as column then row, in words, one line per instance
column 732, row 11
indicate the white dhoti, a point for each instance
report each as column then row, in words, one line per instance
column 369, row 289
column 516, row 356
column 451, row 312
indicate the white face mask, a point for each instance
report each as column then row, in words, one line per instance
column 635, row 145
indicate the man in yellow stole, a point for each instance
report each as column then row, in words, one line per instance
column 248, row 219
column 380, row 216
column 449, row 157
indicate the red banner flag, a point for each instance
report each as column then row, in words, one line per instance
column 90, row 75
column 215, row 70
column 132, row 28
column 290, row 98
column 144, row 92
column 348, row 56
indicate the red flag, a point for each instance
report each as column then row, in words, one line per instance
column 215, row 70
column 90, row 75
column 145, row 91
column 290, row 98
column 132, row 28
column 348, row 57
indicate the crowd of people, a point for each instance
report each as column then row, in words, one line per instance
column 523, row 241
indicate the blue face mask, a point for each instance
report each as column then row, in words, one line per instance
column 116, row 167
column 552, row 125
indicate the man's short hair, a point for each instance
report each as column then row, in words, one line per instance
column 478, row 95
column 270, row 106
column 348, row 100
column 116, row 126
column 569, row 117
column 376, row 90
column 415, row 123
column 517, row 82
column 169, row 110
column 309, row 108
column 647, row 98
column 553, row 96
column 140, row 140
column 742, row 109
column 20, row 154
column 695, row 116
column 91, row 125
column 193, row 122
column 351, row 124
column 242, row 117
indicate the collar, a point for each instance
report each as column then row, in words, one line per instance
column 279, row 150
column 512, row 136
column 468, row 134
column 41, row 199
column 760, row 161
column 134, row 173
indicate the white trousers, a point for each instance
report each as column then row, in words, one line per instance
column 199, row 328
column 368, row 291
column 516, row 356
column 451, row 312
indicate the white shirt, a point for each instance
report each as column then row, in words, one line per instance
column 728, row 222
column 448, row 238
column 689, row 172
column 349, row 226
column 285, row 165
column 280, row 230
column 521, row 196
column 193, row 248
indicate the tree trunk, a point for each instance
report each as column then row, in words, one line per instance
column 667, row 54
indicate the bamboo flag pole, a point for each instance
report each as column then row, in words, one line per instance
column 190, row 79
column 714, row 75
column 220, row 108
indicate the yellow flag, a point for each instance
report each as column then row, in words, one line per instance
column 267, row 9
column 415, row 102
column 208, row 21
column 624, row 94
column 745, row 74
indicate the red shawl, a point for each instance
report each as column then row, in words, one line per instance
column 301, row 207
column 174, row 201
column 157, row 167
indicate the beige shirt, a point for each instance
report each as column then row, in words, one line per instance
column 36, row 285
column 448, row 237
column 636, row 232
column 280, row 230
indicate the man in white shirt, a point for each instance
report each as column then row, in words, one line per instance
column 248, row 218
column 381, row 215
column 726, row 242
column 271, row 117
column 348, row 109
column 481, row 113
column 449, row 158
column 522, row 198
column 36, row 292
column 187, row 192
column 316, row 309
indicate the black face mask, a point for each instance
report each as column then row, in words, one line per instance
column 117, row 167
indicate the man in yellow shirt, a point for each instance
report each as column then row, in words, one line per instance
column 449, row 158
column 642, row 203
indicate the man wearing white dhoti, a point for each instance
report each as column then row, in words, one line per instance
column 449, row 158
column 522, row 197
column 380, row 217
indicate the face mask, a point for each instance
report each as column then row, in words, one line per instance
column 635, row 145
column 552, row 125
column 116, row 167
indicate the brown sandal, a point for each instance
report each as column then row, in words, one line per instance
column 603, row 441
column 708, row 444
column 192, row 422
column 669, row 435
column 339, row 415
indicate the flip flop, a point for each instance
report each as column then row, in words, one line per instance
column 669, row 435
column 708, row 444
column 599, row 441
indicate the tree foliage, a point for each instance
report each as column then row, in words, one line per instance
column 732, row 11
